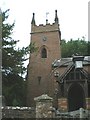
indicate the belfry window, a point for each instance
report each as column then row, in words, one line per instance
column 39, row 80
column 44, row 53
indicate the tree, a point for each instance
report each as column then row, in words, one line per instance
column 13, row 83
column 73, row 47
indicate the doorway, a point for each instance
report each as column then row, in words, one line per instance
column 76, row 97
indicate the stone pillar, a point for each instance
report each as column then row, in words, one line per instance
column 88, row 103
column 62, row 104
column 44, row 106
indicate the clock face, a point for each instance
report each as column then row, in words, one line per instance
column 44, row 38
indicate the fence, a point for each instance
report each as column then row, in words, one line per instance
column 81, row 113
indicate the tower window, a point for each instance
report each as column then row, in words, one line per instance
column 44, row 53
column 39, row 80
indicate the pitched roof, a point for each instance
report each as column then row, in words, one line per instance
column 68, row 61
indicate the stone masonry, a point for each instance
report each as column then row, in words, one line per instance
column 39, row 81
column 44, row 106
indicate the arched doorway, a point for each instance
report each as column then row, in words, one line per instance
column 76, row 97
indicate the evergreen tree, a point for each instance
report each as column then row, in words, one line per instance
column 13, row 84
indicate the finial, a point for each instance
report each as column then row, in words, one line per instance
column 46, row 21
column 56, row 17
column 47, row 17
column 33, row 19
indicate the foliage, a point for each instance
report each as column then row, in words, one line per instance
column 13, row 83
column 75, row 47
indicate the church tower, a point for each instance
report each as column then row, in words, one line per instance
column 47, row 39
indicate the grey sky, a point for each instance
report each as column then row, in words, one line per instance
column 73, row 17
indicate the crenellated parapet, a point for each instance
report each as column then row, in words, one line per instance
column 45, row 28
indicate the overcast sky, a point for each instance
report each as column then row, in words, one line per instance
column 72, row 14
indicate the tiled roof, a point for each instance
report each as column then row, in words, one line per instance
column 68, row 61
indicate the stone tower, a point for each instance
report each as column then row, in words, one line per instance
column 47, row 39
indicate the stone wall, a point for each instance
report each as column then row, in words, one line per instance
column 18, row 112
column 44, row 109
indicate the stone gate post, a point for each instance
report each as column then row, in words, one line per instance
column 44, row 106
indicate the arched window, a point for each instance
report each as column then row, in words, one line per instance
column 44, row 53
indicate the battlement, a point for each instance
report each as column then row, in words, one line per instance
column 45, row 28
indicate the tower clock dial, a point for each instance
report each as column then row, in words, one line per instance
column 44, row 38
